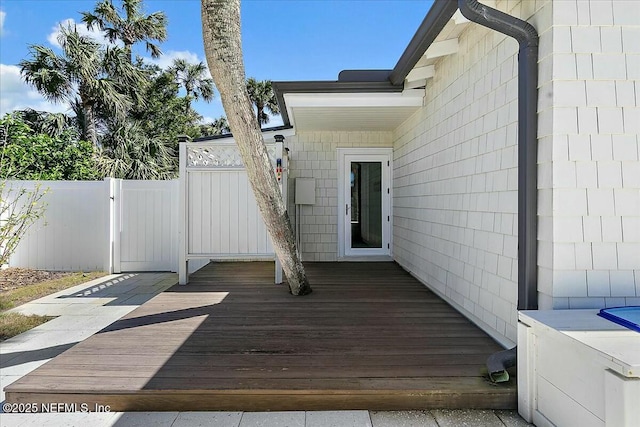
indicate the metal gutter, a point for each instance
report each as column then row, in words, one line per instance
column 527, row 37
column 440, row 13
column 364, row 75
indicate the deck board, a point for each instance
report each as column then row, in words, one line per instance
column 369, row 337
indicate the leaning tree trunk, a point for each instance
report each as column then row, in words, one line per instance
column 90, row 124
column 223, row 49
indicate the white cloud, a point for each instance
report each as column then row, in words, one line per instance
column 274, row 120
column 167, row 58
column 3, row 15
column 82, row 29
column 17, row 95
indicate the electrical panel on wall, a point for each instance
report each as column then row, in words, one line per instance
column 305, row 191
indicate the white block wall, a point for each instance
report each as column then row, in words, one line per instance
column 314, row 155
column 589, row 157
column 455, row 176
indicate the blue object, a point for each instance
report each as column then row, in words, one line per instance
column 629, row 317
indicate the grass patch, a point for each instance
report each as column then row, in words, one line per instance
column 12, row 324
column 26, row 293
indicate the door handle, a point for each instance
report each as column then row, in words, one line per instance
column 346, row 209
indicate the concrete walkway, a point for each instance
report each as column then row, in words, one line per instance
column 87, row 308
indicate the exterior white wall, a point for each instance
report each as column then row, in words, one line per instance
column 589, row 171
column 455, row 176
column 314, row 155
column 73, row 234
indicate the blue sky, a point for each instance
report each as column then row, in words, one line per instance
column 282, row 40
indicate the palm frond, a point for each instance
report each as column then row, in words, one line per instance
column 131, row 27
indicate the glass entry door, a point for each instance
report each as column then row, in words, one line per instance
column 366, row 205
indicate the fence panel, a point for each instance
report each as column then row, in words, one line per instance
column 73, row 233
column 223, row 217
column 148, row 225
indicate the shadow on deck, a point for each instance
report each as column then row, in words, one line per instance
column 369, row 337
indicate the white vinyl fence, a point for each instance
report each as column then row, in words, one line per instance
column 219, row 215
column 73, row 234
column 126, row 225
column 113, row 225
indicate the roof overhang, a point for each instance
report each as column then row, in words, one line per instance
column 369, row 111
column 375, row 99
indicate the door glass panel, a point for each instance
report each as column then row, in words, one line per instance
column 366, row 204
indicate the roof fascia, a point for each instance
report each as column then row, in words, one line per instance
column 440, row 13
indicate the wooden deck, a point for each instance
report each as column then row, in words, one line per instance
column 369, row 337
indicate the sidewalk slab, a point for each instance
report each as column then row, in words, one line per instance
column 338, row 419
column 403, row 419
column 466, row 418
column 273, row 419
column 207, row 419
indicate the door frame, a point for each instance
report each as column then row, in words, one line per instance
column 387, row 205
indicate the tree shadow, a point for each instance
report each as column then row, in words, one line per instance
column 26, row 356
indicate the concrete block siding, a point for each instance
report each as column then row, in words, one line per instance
column 314, row 155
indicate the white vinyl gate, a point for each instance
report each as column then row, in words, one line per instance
column 146, row 225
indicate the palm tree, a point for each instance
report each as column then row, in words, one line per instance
column 262, row 96
column 223, row 47
column 52, row 124
column 128, row 153
column 193, row 77
column 131, row 28
column 85, row 75
column 220, row 126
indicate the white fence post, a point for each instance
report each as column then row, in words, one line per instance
column 111, row 229
column 117, row 225
column 183, row 200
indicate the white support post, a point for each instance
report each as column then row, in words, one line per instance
column 111, row 230
column 183, row 227
column 113, row 187
column 526, row 374
column 280, row 154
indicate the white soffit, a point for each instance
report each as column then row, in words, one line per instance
column 445, row 44
column 351, row 111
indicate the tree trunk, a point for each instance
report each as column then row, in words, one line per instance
column 259, row 115
column 223, row 49
column 90, row 124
